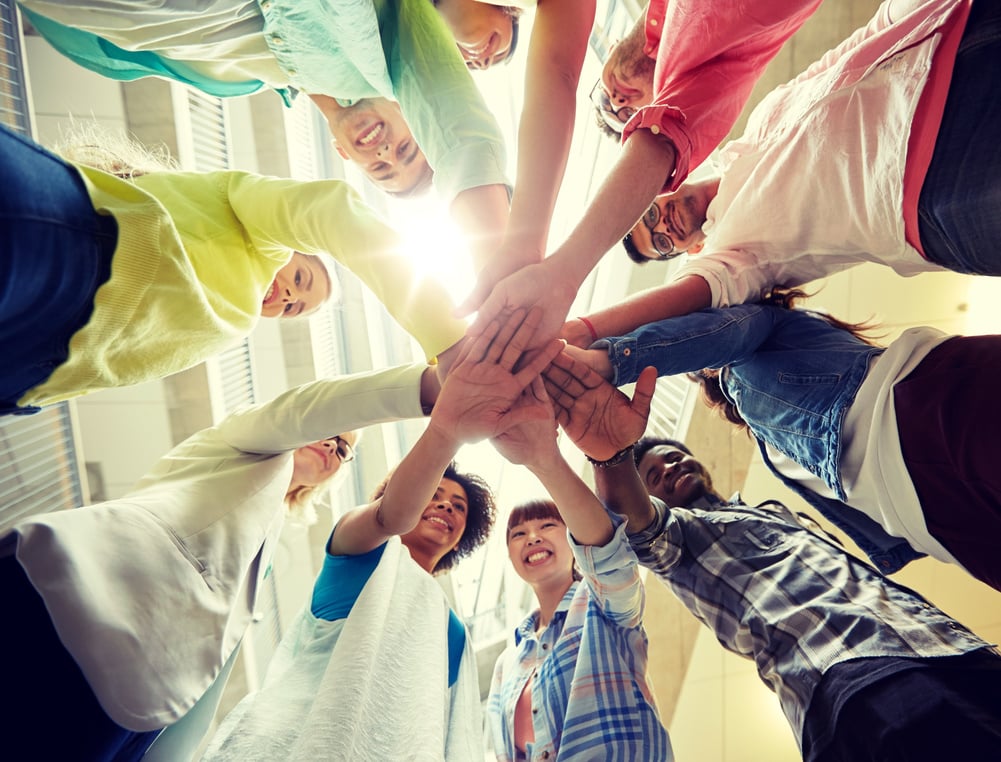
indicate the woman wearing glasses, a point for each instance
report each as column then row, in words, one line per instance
column 134, row 608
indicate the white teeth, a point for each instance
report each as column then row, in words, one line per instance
column 369, row 137
column 271, row 290
column 439, row 521
column 538, row 556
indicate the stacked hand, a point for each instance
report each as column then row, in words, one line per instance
column 482, row 394
column 599, row 418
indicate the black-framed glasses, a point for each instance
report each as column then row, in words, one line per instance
column 614, row 118
column 662, row 242
column 345, row 452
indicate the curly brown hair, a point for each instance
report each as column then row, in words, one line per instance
column 785, row 298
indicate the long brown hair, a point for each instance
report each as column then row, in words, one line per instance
column 785, row 298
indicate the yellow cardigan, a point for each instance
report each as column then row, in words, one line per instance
column 196, row 253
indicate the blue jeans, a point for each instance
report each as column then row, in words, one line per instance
column 959, row 210
column 55, row 251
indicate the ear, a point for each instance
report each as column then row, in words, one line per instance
column 695, row 248
column 340, row 151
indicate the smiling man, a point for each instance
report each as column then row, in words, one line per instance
column 865, row 670
column 673, row 224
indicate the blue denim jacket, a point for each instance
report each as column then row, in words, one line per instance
column 791, row 375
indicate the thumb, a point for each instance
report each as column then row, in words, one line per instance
column 646, row 384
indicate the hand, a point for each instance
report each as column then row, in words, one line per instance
column 532, row 442
column 533, row 286
column 599, row 418
column 576, row 333
column 479, row 396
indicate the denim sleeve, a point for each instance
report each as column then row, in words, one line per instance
column 705, row 339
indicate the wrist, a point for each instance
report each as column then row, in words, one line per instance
column 622, row 456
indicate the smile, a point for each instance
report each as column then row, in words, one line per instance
column 371, row 135
column 537, row 557
column 439, row 521
column 269, row 295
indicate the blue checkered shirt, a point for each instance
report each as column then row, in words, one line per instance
column 591, row 699
column 795, row 603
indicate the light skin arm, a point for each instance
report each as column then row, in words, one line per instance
column 641, row 172
column 681, row 297
column 534, row 446
column 481, row 214
column 479, row 399
column 601, row 421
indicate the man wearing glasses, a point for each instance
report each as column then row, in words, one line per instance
column 673, row 223
column 674, row 88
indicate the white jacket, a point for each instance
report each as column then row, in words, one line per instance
column 151, row 593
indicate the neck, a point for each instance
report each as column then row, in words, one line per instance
column 424, row 558
column 549, row 597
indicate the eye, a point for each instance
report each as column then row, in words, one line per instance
column 288, row 307
column 298, row 277
column 652, row 216
column 459, row 507
column 402, row 149
column 379, row 167
column 517, row 533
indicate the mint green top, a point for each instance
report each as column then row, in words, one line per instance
column 349, row 49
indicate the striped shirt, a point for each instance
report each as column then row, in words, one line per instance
column 795, row 603
column 591, row 698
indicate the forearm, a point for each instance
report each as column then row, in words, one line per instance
column 621, row 490
column 415, row 480
column 681, row 297
column 555, row 56
column 582, row 512
column 482, row 214
column 638, row 176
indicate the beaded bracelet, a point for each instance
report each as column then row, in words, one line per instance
column 615, row 460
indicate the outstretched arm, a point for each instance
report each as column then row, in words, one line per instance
column 478, row 400
column 534, row 445
column 603, row 421
column 644, row 165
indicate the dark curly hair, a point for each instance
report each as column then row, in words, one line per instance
column 605, row 127
column 532, row 510
column 479, row 518
column 646, row 444
column 786, row 298
column 632, row 250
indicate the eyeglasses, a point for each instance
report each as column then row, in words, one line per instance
column 616, row 119
column 662, row 242
column 345, row 452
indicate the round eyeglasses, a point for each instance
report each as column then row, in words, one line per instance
column 345, row 452
column 614, row 118
column 661, row 242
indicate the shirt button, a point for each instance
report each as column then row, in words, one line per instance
column 535, row 710
column 292, row 72
column 655, row 129
column 545, row 646
column 276, row 39
column 545, row 755
column 627, row 352
column 653, row 22
column 265, row 5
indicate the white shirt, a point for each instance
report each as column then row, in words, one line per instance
column 151, row 593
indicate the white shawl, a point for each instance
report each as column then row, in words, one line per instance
column 373, row 686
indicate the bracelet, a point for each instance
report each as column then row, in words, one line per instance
column 590, row 328
column 619, row 457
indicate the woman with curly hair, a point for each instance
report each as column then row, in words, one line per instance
column 377, row 666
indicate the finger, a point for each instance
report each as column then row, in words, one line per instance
column 477, row 347
column 521, row 338
column 646, row 385
column 510, row 323
column 540, row 362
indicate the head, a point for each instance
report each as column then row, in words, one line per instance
column 626, row 83
column 455, row 522
column 300, row 287
column 537, row 545
column 486, row 34
column 314, row 468
column 374, row 135
column 673, row 223
column 670, row 471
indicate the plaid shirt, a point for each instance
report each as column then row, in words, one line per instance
column 795, row 603
column 590, row 698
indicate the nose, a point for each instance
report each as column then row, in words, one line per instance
column 383, row 151
column 444, row 505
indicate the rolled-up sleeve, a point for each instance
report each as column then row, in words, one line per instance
column 612, row 573
column 709, row 55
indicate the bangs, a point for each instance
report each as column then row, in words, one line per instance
column 533, row 510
